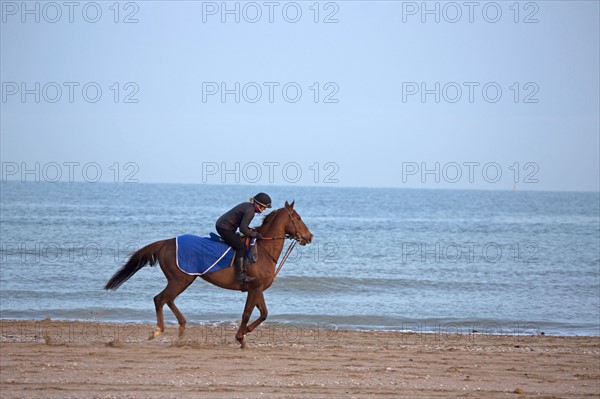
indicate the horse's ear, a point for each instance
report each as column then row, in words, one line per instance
column 292, row 205
column 286, row 204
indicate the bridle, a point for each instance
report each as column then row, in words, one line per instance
column 296, row 237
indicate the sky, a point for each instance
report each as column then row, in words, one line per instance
column 452, row 95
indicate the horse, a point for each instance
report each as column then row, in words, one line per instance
column 276, row 227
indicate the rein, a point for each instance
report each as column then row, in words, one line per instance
column 285, row 256
column 288, row 250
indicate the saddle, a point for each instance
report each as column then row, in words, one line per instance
column 201, row 255
column 251, row 250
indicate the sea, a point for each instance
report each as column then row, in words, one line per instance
column 424, row 260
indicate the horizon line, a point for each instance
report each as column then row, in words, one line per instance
column 322, row 185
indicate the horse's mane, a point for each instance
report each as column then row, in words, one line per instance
column 269, row 218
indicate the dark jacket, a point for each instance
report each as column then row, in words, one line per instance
column 239, row 216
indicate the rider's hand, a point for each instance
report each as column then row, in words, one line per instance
column 258, row 236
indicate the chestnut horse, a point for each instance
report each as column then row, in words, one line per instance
column 278, row 225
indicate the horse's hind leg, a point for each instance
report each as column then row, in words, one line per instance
column 180, row 318
column 168, row 295
column 159, row 302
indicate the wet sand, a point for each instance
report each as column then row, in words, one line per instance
column 53, row 359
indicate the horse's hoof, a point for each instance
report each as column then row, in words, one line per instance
column 242, row 341
column 155, row 333
column 181, row 331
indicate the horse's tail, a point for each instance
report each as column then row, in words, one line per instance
column 139, row 259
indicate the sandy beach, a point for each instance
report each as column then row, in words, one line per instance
column 71, row 359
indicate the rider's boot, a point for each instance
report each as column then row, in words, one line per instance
column 240, row 274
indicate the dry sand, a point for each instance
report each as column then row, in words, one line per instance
column 52, row 359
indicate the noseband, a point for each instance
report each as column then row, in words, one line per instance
column 296, row 236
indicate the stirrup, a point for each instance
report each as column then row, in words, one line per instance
column 243, row 278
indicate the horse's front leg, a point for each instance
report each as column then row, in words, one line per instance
column 250, row 303
column 262, row 307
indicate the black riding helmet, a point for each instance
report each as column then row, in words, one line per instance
column 262, row 199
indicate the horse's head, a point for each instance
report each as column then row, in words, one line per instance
column 295, row 227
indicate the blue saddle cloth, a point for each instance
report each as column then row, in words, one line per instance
column 201, row 255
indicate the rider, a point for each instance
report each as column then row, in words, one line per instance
column 240, row 217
